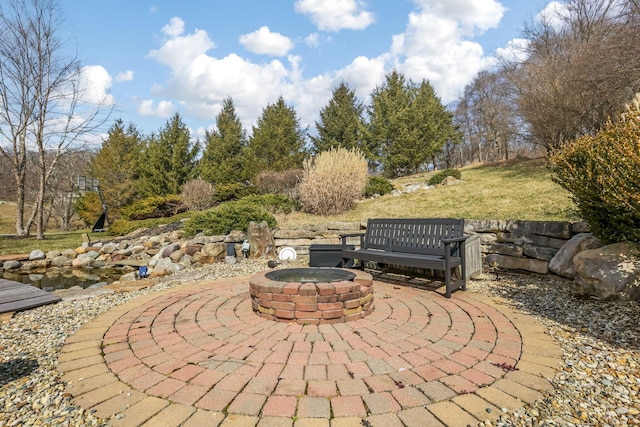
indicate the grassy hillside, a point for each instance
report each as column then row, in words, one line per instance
column 520, row 189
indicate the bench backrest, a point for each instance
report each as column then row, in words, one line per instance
column 412, row 235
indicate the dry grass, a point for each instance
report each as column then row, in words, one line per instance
column 7, row 218
column 520, row 189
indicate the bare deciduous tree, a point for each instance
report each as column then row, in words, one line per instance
column 44, row 107
column 488, row 118
column 582, row 67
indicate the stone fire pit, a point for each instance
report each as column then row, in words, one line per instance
column 312, row 295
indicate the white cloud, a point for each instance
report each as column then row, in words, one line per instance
column 95, row 83
column 470, row 15
column 336, row 15
column 555, row 14
column 183, row 50
column 125, row 76
column 201, row 81
column 174, row 28
column 312, row 40
column 163, row 110
column 435, row 45
column 514, row 51
column 264, row 42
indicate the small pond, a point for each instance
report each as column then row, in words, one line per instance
column 59, row 278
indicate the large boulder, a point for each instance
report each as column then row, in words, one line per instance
column 261, row 241
column 609, row 272
column 562, row 262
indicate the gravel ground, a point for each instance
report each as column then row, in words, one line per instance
column 598, row 386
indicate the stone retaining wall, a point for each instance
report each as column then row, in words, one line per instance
column 510, row 244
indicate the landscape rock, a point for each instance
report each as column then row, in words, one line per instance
column 82, row 262
column 450, row 180
column 109, row 248
column 60, row 261
column 509, row 249
column 69, row 253
column 235, row 236
column 512, row 263
column 128, row 277
column 123, row 245
column 11, row 265
column 36, row 254
column 165, row 267
column 167, row 250
column 177, row 255
column 609, row 272
column 260, row 240
column 557, row 229
column 28, row 266
column 214, row 250
column 294, row 234
column 53, row 254
column 192, row 248
column 538, row 252
column 562, row 262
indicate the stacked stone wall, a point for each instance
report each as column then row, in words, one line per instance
column 509, row 244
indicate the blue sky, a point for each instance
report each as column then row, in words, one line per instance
column 152, row 58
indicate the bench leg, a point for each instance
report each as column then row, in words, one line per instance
column 447, row 280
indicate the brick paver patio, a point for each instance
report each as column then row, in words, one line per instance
column 199, row 356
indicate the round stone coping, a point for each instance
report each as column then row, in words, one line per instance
column 418, row 357
column 310, row 275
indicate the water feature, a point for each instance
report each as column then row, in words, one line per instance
column 62, row 278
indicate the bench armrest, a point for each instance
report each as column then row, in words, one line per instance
column 344, row 238
column 454, row 240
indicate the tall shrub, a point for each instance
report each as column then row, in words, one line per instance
column 602, row 172
column 333, row 181
column 198, row 194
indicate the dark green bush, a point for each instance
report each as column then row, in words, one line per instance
column 273, row 203
column 121, row 227
column 153, row 207
column 234, row 191
column 378, row 185
column 228, row 216
column 440, row 176
column 602, row 172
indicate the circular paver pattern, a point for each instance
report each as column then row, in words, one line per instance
column 204, row 347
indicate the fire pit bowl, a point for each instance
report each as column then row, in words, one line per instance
column 310, row 275
column 312, row 295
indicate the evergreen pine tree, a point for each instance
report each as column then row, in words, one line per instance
column 169, row 160
column 115, row 165
column 341, row 123
column 277, row 142
column 408, row 124
column 222, row 157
